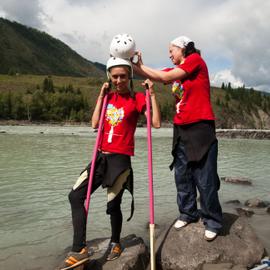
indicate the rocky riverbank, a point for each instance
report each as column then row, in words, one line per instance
column 237, row 247
column 243, row 133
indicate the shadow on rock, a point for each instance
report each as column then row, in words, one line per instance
column 228, row 221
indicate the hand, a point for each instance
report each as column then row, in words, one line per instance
column 104, row 89
column 150, row 86
column 137, row 56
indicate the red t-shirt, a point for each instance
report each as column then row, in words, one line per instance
column 194, row 103
column 120, row 122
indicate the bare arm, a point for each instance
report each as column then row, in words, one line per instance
column 139, row 71
column 156, row 118
column 97, row 110
column 158, row 75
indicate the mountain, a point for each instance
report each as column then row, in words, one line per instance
column 100, row 66
column 29, row 51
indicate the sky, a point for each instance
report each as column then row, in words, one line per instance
column 233, row 35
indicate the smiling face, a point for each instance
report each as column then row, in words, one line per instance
column 176, row 54
column 120, row 78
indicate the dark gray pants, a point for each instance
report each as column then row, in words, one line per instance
column 203, row 176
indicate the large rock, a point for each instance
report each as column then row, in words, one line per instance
column 135, row 255
column 256, row 203
column 223, row 266
column 244, row 212
column 236, row 202
column 237, row 180
column 187, row 250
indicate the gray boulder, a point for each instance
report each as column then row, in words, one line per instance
column 244, row 212
column 135, row 255
column 237, row 180
column 186, row 249
column 223, row 266
column 236, row 202
column 256, row 203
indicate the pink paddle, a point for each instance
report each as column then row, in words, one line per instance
column 94, row 155
column 150, row 182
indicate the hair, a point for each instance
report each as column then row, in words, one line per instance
column 190, row 48
column 124, row 66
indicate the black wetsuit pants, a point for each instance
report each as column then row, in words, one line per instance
column 77, row 198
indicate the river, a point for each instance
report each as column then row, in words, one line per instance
column 39, row 164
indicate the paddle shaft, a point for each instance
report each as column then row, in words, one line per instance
column 94, row 155
column 150, row 181
column 150, row 163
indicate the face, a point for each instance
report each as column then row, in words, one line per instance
column 176, row 54
column 120, row 78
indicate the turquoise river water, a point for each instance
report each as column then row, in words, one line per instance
column 39, row 164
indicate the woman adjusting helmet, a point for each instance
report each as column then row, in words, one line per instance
column 123, row 46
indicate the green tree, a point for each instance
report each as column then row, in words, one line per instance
column 47, row 85
column 227, row 97
column 69, row 89
column 11, row 72
column 27, row 100
column 37, row 109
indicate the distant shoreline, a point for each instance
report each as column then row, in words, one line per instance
column 221, row 133
column 259, row 134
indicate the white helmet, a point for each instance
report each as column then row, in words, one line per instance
column 115, row 62
column 123, row 46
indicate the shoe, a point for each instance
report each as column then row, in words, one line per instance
column 179, row 224
column 74, row 259
column 209, row 235
column 115, row 251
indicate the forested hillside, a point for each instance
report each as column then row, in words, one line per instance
column 25, row 50
column 72, row 99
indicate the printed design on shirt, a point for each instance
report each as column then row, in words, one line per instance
column 114, row 117
column 177, row 91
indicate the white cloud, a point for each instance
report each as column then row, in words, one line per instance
column 2, row 14
column 244, row 38
column 232, row 34
column 225, row 76
column 25, row 11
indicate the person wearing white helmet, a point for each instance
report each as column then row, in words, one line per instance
column 113, row 166
column 195, row 145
